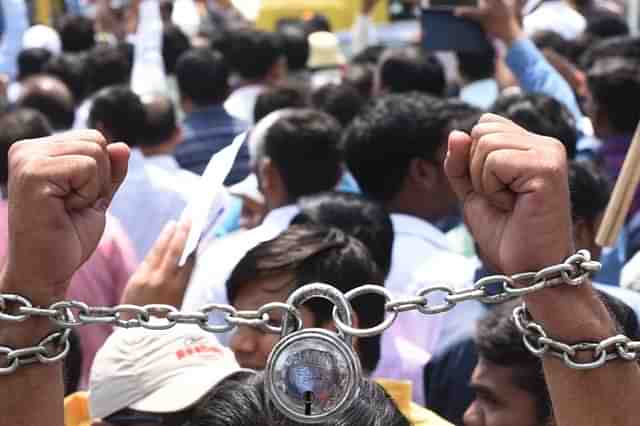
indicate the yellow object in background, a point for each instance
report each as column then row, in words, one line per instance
column 46, row 10
column 340, row 13
column 400, row 391
column 76, row 410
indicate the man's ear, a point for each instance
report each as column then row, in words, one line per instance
column 266, row 174
column 422, row 173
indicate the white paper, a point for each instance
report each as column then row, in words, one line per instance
column 208, row 201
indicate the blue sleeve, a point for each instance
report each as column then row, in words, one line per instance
column 537, row 75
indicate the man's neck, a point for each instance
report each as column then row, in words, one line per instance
column 166, row 148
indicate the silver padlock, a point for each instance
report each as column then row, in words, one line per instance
column 313, row 374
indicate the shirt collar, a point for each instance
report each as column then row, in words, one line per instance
column 411, row 225
column 164, row 161
column 282, row 215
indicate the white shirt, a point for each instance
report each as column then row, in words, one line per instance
column 16, row 21
column 481, row 93
column 557, row 16
column 216, row 262
column 242, row 101
column 415, row 242
column 148, row 76
column 167, row 175
column 147, row 200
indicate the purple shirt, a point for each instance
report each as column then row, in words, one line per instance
column 613, row 152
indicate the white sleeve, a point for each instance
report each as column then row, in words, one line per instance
column 148, row 74
column 16, row 23
column 363, row 34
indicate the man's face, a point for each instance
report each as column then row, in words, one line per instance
column 499, row 401
column 250, row 345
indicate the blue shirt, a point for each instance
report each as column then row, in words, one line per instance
column 206, row 131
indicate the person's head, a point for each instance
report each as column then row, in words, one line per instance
column 141, row 377
column 77, row 33
column 119, row 114
column 295, row 46
column 203, row 78
column 304, row 254
column 71, row 69
column 342, row 101
column 410, row 70
column 612, row 81
column 540, row 114
column 51, row 97
column 355, row 215
column 174, row 44
column 256, row 56
column 361, row 77
column 295, row 153
column 474, row 66
column 590, row 190
column 279, row 97
column 32, row 62
column 106, row 66
column 15, row 126
column 241, row 401
column 395, row 149
column 508, row 380
column 161, row 134
column 607, row 25
column 548, row 39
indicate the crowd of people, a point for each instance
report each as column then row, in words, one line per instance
column 399, row 168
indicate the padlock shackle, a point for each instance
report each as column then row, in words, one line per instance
column 322, row 291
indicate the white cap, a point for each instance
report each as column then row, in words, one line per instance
column 325, row 51
column 41, row 36
column 157, row 371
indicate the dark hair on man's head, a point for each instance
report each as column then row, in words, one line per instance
column 174, row 44
column 342, row 101
column 71, row 69
column 381, row 141
column 369, row 56
column 548, row 39
column 476, row 66
column 252, row 53
column 627, row 48
column 355, row 215
column 606, row 25
column 319, row 254
column 161, row 123
column 361, row 76
column 279, row 97
column 412, row 70
column 106, row 66
column 590, row 190
column 52, row 98
column 241, row 400
column 203, row 76
column 303, row 146
column 295, row 45
column 77, row 33
column 32, row 62
column 612, row 82
column 17, row 125
column 541, row 114
column 118, row 112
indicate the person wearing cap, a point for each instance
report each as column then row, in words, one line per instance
column 142, row 377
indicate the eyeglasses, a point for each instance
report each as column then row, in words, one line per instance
column 129, row 417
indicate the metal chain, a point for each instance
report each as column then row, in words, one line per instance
column 70, row 314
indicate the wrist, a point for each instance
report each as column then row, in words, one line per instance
column 40, row 292
column 513, row 34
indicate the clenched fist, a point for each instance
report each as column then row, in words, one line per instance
column 59, row 190
column 515, row 193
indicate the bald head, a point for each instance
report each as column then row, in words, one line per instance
column 161, row 124
column 52, row 98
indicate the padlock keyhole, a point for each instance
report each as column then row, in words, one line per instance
column 308, row 400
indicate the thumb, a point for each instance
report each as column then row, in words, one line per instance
column 457, row 164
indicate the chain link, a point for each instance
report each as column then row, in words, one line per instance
column 270, row 317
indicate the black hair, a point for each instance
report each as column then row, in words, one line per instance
column 361, row 76
column 303, row 146
column 612, row 82
column 381, row 141
column 106, row 66
column 241, row 400
column 72, row 367
column 203, row 76
column 355, row 215
column 252, row 53
column 71, row 69
column 371, row 55
column 161, row 123
column 56, row 105
column 77, row 33
column 476, row 66
column 279, row 97
column 317, row 22
column 174, row 44
column 549, row 39
column 32, row 62
column 17, row 125
column 119, row 113
column 541, row 114
column 499, row 341
column 342, row 101
column 606, row 25
column 627, row 48
column 319, row 254
column 590, row 190
column 295, row 45
column 410, row 69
